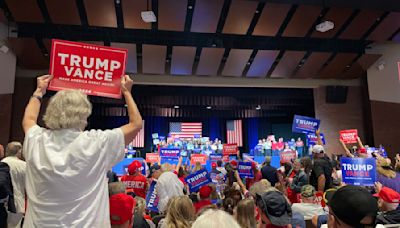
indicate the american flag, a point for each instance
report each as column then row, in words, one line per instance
column 138, row 141
column 234, row 132
column 185, row 130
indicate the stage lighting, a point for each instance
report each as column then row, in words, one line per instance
column 208, row 107
column 176, row 106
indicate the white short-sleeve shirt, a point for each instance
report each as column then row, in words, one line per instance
column 66, row 180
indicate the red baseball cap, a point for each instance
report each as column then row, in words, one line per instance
column 253, row 165
column 205, row 191
column 363, row 150
column 121, row 208
column 134, row 166
column 388, row 195
column 213, row 165
column 234, row 163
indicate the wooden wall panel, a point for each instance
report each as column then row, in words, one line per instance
column 210, row 59
column 239, row 17
column 287, row 64
column 101, row 13
column 313, row 64
column 154, row 58
column 236, row 62
column 271, row 19
column 172, row 14
column 360, row 24
column 182, row 60
column 25, row 11
column 206, row 15
column 63, row 12
column 302, row 20
column 262, row 63
column 131, row 11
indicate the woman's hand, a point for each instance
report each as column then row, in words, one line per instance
column 42, row 84
column 126, row 84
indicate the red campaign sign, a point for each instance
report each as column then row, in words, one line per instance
column 349, row 136
column 225, row 158
column 287, row 156
column 319, row 199
column 230, row 149
column 93, row 69
column 202, row 158
column 152, row 158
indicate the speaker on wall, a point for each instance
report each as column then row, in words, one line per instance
column 336, row 94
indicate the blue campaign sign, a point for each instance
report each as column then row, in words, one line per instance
column 215, row 157
column 197, row 179
column 248, row 157
column 170, row 152
column 121, row 167
column 304, row 124
column 152, row 198
column 244, row 169
column 359, row 171
column 312, row 139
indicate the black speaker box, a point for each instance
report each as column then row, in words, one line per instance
column 336, row 94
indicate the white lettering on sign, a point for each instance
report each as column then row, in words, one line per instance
column 357, row 167
column 198, row 176
column 74, row 64
column 306, row 122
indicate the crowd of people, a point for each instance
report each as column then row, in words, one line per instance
column 59, row 177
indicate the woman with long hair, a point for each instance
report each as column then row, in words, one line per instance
column 245, row 213
column 180, row 213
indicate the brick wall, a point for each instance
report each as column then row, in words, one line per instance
column 386, row 125
column 336, row 117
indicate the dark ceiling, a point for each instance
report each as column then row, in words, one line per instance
column 240, row 38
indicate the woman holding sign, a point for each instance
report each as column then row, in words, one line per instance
column 66, row 180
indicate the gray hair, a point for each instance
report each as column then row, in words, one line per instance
column 13, row 148
column 68, row 109
column 140, row 205
column 116, row 188
column 215, row 218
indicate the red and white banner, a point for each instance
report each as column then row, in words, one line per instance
column 349, row 136
column 230, row 149
column 93, row 69
column 152, row 158
column 225, row 158
column 202, row 158
column 185, row 130
column 138, row 141
column 234, row 132
column 287, row 156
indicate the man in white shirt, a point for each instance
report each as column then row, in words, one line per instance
column 307, row 207
column 66, row 181
column 17, row 173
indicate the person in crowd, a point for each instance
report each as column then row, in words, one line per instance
column 232, row 198
column 297, row 182
column 7, row 203
column 300, row 179
column 259, row 187
column 388, row 204
column 116, row 188
column 397, row 164
column 221, row 168
column 204, row 195
column 300, row 146
column 268, row 172
column 245, row 213
column 275, row 210
column 256, row 173
column 307, row 207
column 306, row 162
column 386, row 175
column 168, row 186
column 140, row 218
column 112, row 176
column 17, row 172
column 134, row 181
column 122, row 207
column 351, row 206
column 154, row 172
column 214, row 168
column 336, row 171
column 215, row 218
column 180, row 213
column 321, row 174
column 66, row 165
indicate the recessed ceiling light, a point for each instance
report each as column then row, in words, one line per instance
column 213, row 45
column 190, row 7
column 176, row 106
column 208, row 107
column 258, row 107
column 257, row 11
column 248, row 63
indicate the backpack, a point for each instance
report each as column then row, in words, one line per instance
column 6, row 188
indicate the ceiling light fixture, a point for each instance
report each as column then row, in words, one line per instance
column 208, row 107
column 148, row 16
column 258, row 107
column 176, row 106
column 325, row 26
